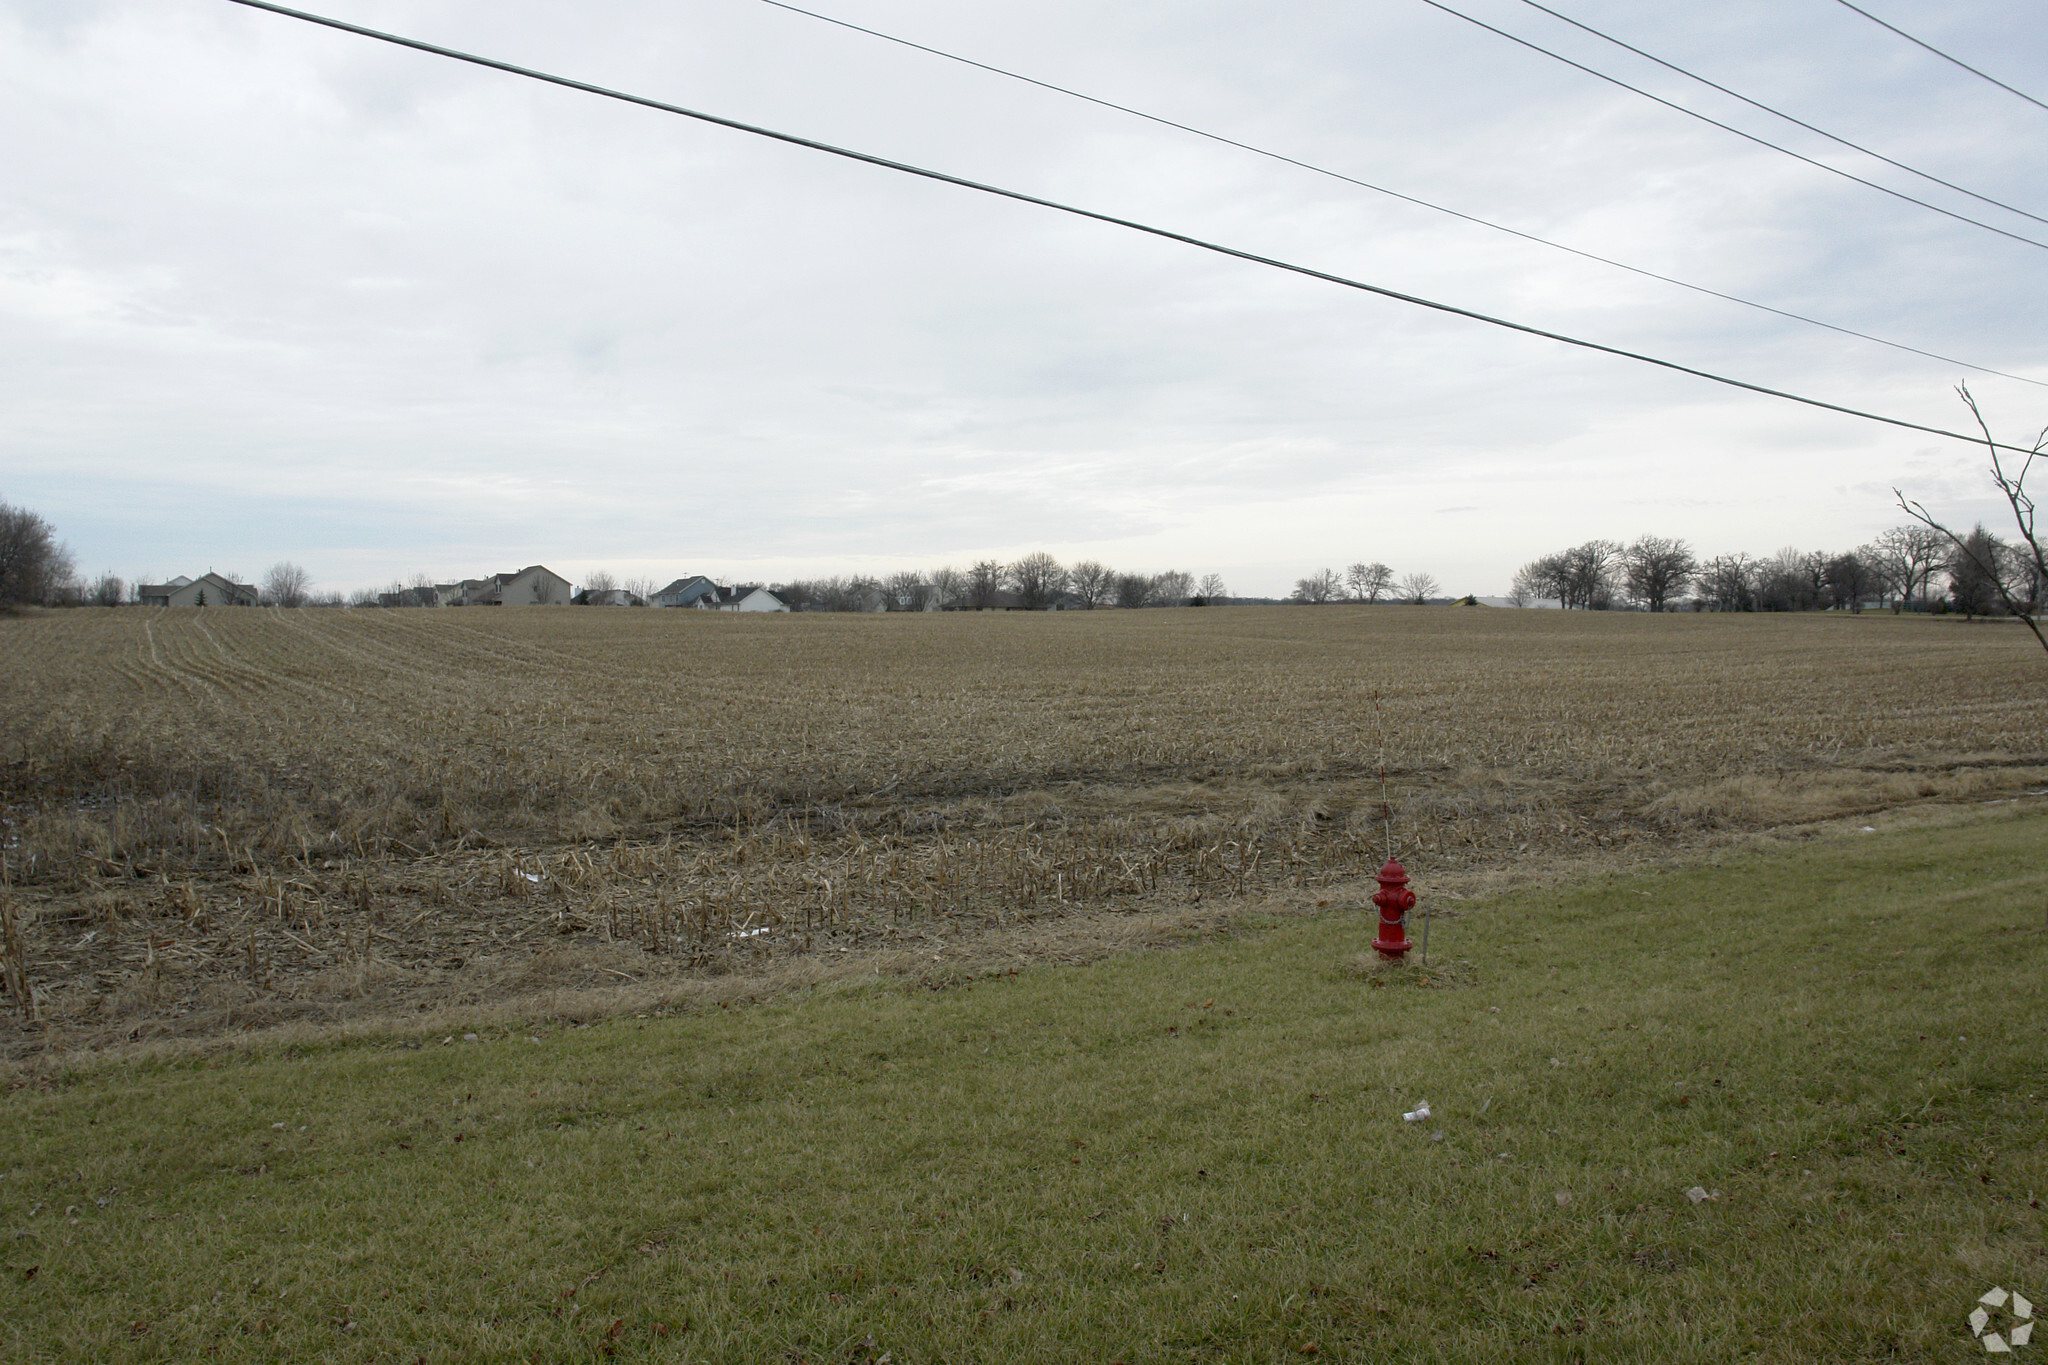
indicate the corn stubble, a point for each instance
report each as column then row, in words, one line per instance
column 225, row 818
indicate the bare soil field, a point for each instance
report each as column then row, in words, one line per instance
column 222, row 820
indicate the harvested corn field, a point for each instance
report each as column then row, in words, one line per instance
column 219, row 819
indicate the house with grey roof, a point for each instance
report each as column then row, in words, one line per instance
column 207, row 590
column 686, row 592
column 533, row 586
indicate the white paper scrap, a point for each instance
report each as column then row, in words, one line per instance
column 1417, row 1114
column 1699, row 1195
column 2020, row 1307
column 1994, row 1297
column 1978, row 1319
column 2022, row 1334
column 1994, row 1345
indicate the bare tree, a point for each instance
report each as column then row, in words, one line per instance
column 1581, row 577
column 2013, row 487
column 1728, row 582
column 1133, row 590
column 984, row 584
column 1172, row 588
column 1091, row 581
column 1658, row 570
column 1038, row 579
column 1848, row 579
column 949, row 585
column 600, row 580
column 1418, row 588
column 108, row 589
column 1539, row 579
column 1588, row 574
column 287, row 585
column 1319, row 587
column 1368, row 581
column 1905, row 559
column 908, row 590
column 1544, row 578
column 641, row 586
column 1791, row 580
column 1211, row 589
column 32, row 564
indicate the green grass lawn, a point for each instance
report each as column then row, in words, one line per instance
column 1194, row 1154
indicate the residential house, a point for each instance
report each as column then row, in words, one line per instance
column 750, row 599
column 607, row 597
column 207, row 590
column 532, row 586
column 686, row 592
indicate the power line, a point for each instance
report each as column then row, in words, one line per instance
column 1943, row 55
column 1731, row 128
column 868, row 158
column 1779, row 113
column 1396, row 194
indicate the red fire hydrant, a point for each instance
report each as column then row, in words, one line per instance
column 1395, row 900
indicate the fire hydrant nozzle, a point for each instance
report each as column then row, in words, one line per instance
column 1395, row 900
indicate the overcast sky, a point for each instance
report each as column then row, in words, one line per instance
column 270, row 291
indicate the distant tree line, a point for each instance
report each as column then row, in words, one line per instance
column 1905, row 568
column 1036, row 582
column 1363, row 583
column 1921, row 567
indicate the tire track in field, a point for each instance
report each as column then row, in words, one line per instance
column 396, row 662
column 259, row 636
column 176, row 676
column 503, row 648
column 215, row 670
column 461, row 649
column 228, row 673
column 323, row 680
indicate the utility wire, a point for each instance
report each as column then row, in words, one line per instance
column 1395, row 194
column 867, row 158
column 1943, row 55
column 1779, row 113
column 1731, row 128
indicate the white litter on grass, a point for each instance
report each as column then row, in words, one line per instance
column 1699, row 1194
column 531, row 876
column 1868, row 829
column 2020, row 1307
column 1417, row 1114
column 469, row 1038
column 747, row 933
column 1994, row 1297
column 2022, row 1334
column 532, row 1040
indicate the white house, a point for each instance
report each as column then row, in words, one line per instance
column 207, row 590
column 755, row 599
